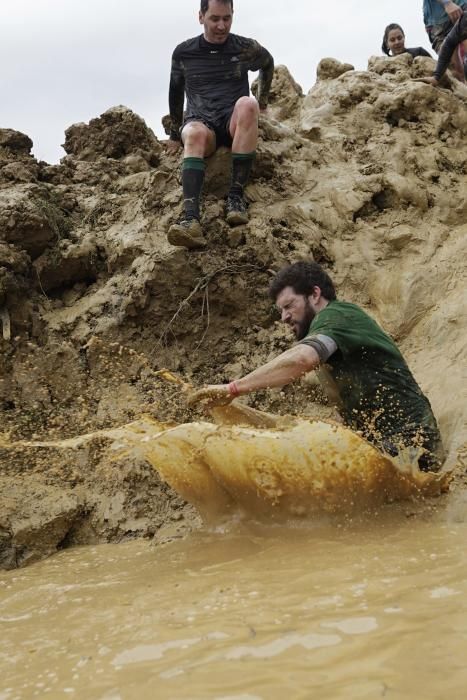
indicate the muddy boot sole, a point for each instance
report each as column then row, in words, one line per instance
column 192, row 239
column 237, row 218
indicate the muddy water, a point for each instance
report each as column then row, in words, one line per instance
column 375, row 609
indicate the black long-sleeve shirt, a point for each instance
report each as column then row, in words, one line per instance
column 418, row 51
column 214, row 77
column 457, row 34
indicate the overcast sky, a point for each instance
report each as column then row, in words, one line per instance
column 66, row 61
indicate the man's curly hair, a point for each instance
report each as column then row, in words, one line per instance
column 302, row 277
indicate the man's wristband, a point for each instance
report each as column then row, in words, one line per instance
column 233, row 390
column 446, row 2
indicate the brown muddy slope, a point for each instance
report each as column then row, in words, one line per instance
column 367, row 174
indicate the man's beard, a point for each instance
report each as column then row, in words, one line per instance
column 301, row 330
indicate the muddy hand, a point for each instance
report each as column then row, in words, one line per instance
column 212, row 395
column 429, row 81
column 453, row 10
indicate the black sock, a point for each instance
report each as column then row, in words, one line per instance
column 241, row 169
column 192, row 181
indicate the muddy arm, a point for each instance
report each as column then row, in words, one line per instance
column 457, row 34
column 264, row 62
column 282, row 370
column 176, row 97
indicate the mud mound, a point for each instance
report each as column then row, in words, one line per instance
column 366, row 174
column 116, row 134
column 16, row 161
column 15, row 141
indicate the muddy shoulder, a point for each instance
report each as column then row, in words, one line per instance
column 367, row 174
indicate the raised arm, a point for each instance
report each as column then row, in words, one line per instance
column 176, row 97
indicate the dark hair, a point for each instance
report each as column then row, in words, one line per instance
column 389, row 28
column 302, row 277
column 204, row 6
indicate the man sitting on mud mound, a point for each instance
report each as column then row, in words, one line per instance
column 360, row 366
column 213, row 71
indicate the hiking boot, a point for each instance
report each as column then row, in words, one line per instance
column 236, row 213
column 187, row 233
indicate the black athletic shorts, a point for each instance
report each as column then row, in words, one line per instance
column 220, row 127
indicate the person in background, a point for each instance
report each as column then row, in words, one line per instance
column 212, row 71
column 394, row 43
column 439, row 17
column 456, row 37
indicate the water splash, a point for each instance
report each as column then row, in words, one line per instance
column 265, row 466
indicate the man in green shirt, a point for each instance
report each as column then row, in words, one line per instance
column 360, row 365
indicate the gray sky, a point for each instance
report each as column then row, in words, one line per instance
column 66, row 61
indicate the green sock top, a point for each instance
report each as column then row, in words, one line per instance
column 244, row 156
column 193, row 164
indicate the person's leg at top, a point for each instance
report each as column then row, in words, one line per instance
column 199, row 142
column 437, row 36
column 243, row 129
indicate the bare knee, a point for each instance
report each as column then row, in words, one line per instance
column 196, row 136
column 247, row 109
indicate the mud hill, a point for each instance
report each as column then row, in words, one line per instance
column 367, row 173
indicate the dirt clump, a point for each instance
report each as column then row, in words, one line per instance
column 365, row 174
column 117, row 134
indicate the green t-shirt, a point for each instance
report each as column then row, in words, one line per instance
column 376, row 389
